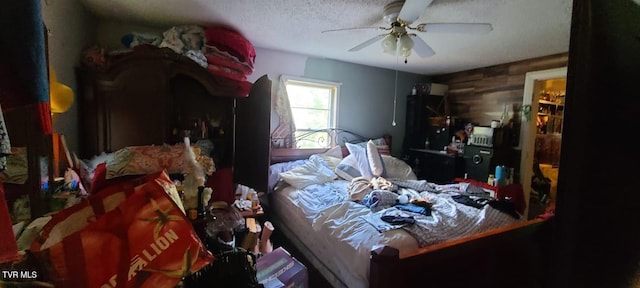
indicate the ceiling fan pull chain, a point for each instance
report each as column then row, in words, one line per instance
column 395, row 94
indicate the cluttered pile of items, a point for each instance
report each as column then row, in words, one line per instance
column 151, row 230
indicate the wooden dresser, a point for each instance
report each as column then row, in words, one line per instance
column 156, row 96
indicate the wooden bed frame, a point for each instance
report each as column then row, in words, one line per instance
column 512, row 256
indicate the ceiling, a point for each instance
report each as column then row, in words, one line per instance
column 522, row 29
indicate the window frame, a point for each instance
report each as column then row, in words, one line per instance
column 333, row 105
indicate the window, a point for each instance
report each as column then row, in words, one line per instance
column 313, row 106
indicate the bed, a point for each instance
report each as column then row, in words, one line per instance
column 344, row 238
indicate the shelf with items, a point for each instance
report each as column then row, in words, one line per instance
column 548, row 124
column 542, row 101
column 550, row 112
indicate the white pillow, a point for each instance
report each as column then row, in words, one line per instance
column 335, row 151
column 397, row 169
column 362, row 162
column 277, row 168
column 329, row 161
column 331, row 157
column 375, row 160
column 311, row 172
column 380, row 143
column 347, row 169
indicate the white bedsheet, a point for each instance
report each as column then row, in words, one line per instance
column 331, row 226
column 328, row 224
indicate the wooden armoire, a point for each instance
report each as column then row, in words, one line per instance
column 157, row 96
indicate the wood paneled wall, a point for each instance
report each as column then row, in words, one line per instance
column 479, row 95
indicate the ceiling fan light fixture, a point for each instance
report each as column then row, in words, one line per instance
column 405, row 45
column 390, row 44
column 398, row 41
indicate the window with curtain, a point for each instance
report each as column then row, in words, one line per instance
column 313, row 107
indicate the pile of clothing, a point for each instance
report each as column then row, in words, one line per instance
column 380, row 193
column 228, row 53
column 222, row 51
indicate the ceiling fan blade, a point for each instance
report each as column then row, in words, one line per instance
column 367, row 43
column 422, row 48
column 468, row 28
column 413, row 9
column 356, row 28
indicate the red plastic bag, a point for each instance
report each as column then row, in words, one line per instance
column 146, row 241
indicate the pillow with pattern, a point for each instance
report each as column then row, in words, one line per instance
column 141, row 160
column 86, row 168
column 347, row 169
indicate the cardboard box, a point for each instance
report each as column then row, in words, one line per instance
column 251, row 237
column 279, row 269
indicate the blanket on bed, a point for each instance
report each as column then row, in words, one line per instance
column 450, row 220
column 455, row 210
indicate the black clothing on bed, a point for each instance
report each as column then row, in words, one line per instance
column 410, row 207
column 505, row 206
column 466, row 200
column 398, row 220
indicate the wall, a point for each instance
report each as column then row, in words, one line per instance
column 70, row 29
column 366, row 103
column 269, row 62
column 480, row 95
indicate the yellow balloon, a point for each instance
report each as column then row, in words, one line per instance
column 60, row 95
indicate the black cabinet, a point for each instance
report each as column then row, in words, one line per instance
column 416, row 123
column 435, row 166
column 425, row 110
column 482, row 161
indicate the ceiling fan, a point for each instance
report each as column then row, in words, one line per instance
column 398, row 40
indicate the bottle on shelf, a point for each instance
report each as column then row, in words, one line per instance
column 255, row 201
column 505, row 117
column 510, row 179
column 491, row 180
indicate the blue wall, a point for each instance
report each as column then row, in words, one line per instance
column 366, row 97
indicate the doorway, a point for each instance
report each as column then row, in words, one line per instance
column 541, row 133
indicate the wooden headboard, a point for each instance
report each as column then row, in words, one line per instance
column 337, row 137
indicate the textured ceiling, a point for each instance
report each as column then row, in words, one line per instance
column 522, row 29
